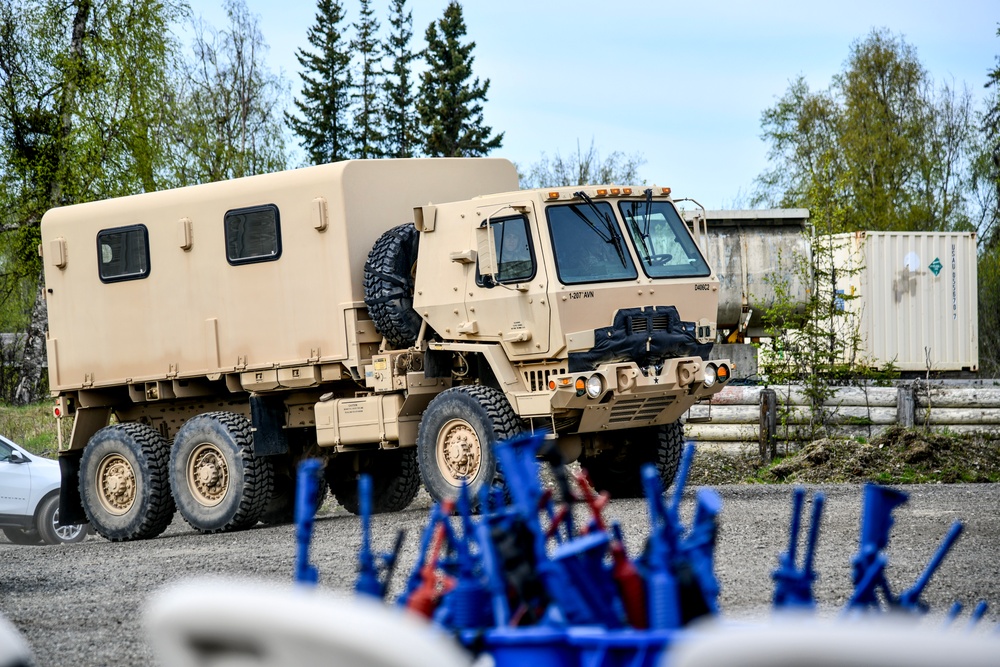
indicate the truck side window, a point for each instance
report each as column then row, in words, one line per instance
column 515, row 260
column 253, row 234
column 123, row 253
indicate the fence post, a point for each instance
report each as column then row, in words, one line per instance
column 905, row 405
column 768, row 423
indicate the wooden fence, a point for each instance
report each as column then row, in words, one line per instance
column 779, row 416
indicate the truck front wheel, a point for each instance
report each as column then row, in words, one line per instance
column 218, row 484
column 617, row 470
column 124, row 482
column 394, row 473
column 458, row 432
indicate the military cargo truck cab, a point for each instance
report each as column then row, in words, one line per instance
column 393, row 317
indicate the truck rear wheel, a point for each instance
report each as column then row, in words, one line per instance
column 457, row 436
column 281, row 507
column 125, row 482
column 617, row 471
column 218, row 484
column 394, row 473
column 388, row 285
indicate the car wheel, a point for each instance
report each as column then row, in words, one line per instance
column 22, row 536
column 49, row 529
column 218, row 483
column 124, row 482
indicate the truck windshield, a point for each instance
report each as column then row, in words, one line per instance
column 663, row 244
column 588, row 244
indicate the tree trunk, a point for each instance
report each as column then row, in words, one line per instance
column 29, row 386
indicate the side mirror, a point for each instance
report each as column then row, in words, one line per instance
column 17, row 457
column 487, row 253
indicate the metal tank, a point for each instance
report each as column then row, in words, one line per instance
column 756, row 253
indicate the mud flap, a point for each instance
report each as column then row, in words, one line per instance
column 70, row 506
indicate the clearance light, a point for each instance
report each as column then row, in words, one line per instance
column 553, row 195
column 57, row 412
column 722, row 373
column 565, row 382
column 552, row 385
column 627, row 191
column 615, row 192
column 710, row 375
column 581, row 386
column 665, row 192
column 595, row 386
column 602, row 192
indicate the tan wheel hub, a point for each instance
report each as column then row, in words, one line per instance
column 116, row 487
column 459, row 452
column 208, row 475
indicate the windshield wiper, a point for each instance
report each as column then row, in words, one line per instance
column 611, row 237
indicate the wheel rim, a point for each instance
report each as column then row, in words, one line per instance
column 116, row 484
column 65, row 533
column 459, row 452
column 208, row 474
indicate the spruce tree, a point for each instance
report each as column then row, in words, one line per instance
column 450, row 100
column 399, row 101
column 369, row 138
column 324, row 127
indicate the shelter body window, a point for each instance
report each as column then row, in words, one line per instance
column 123, row 253
column 253, row 234
column 515, row 258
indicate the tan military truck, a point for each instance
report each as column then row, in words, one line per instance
column 205, row 339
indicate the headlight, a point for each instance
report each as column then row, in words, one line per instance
column 595, row 386
column 710, row 375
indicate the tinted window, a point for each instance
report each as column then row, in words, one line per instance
column 661, row 239
column 512, row 240
column 588, row 244
column 253, row 235
column 123, row 253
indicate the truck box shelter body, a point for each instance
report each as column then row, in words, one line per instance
column 260, row 276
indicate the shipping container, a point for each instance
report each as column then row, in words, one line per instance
column 914, row 298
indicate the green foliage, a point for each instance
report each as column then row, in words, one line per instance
column 227, row 119
column 324, row 127
column 450, row 100
column 584, row 168
column 369, row 137
column 401, row 123
column 817, row 345
column 31, row 426
column 881, row 149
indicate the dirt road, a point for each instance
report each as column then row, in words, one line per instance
column 82, row 605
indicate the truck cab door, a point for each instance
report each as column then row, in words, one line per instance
column 509, row 301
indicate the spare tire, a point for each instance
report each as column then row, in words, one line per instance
column 389, row 276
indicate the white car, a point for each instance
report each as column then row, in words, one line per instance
column 29, row 499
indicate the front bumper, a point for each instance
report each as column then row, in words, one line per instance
column 633, row 397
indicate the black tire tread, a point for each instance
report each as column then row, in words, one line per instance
column 395, row 481
column 257, row 474
column 395, row 319
column 154, row 468
column 506, row 424
column 619, row 471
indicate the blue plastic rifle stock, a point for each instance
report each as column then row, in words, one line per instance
column 793, row 585
column 868, row 565
column 698, row 546
column 367, row 582
column 306, row 502
column 910, row 599
column 661, row 586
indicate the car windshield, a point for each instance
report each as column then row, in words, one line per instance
column 588, row 243
column 661, row 240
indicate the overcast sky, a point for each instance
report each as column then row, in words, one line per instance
column 681, row 83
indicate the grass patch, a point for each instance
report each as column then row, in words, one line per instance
column 31, row 426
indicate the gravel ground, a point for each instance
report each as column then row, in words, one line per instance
column 82, row 604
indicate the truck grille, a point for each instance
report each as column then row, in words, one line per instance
column 538, row 379
column 651, row 322
column 639, row 409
